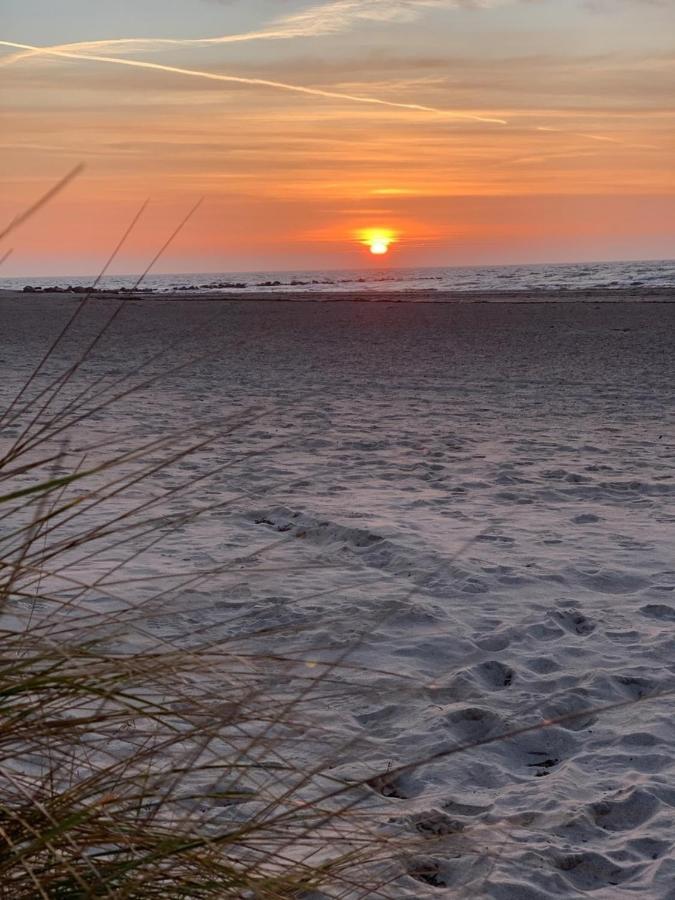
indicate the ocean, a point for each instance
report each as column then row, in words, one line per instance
column 553, row 277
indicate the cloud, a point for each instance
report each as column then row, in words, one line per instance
column 326, row 18
column 340, row 15
column 258, row 82
column 607, row 6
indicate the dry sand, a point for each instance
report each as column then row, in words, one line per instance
column 477, row 497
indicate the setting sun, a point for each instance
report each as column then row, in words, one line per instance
column 379, row 247
column 420, row 255
column 378, row 240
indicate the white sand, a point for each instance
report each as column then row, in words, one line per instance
column 477, row 498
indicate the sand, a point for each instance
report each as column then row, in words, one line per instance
column 474, row 499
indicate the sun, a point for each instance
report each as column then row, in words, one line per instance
column 378, row 240
column 379, row 247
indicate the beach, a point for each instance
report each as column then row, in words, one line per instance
column 470, row 500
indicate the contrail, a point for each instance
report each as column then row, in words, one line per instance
column 149, row 44
column 259, row 82
column 597, row 137
column 326, row 18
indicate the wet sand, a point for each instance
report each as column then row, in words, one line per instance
column 594, row 295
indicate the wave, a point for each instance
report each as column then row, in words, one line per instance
column 550, row 278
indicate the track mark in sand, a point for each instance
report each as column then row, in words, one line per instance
column 429, row 571
column 590, row 871
column 280, row 528
column 472, row 683
column 635, row 687
column 455, row 808
column 607, row 581
column 544, row 766
column 625, row 813
column 571, row 702
column 434, row 823
column 493, row 642
column 543, row 665
column 398, row 787
column 659, row 611
column 428, row 871
column 473, row 723
column 495, row 674
column 573, row 621
column 452, row 872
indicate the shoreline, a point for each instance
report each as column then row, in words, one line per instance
column 597, row 295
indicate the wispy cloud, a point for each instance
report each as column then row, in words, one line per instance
column 610, row 6
column 340, row 15
column 257, row 82
column 325, row 18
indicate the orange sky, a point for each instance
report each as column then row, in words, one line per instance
column 518, row 131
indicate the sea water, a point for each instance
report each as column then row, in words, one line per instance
column 553, row 277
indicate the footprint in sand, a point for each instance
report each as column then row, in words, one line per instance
column 659, row 611
column 573, row 621
column 590, row 871
column 434, row 823
column 398, row 787
column 627, row 813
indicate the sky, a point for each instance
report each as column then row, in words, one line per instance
column 467, row 131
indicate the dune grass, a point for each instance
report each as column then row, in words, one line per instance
column 132, row 766
column 157, row 770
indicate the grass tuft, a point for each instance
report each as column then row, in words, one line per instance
column 134, row 765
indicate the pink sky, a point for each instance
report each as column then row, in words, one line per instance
column 519, row 131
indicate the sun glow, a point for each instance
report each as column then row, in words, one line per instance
column 378, row 240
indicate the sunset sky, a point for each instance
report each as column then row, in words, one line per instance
column 492, row 131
